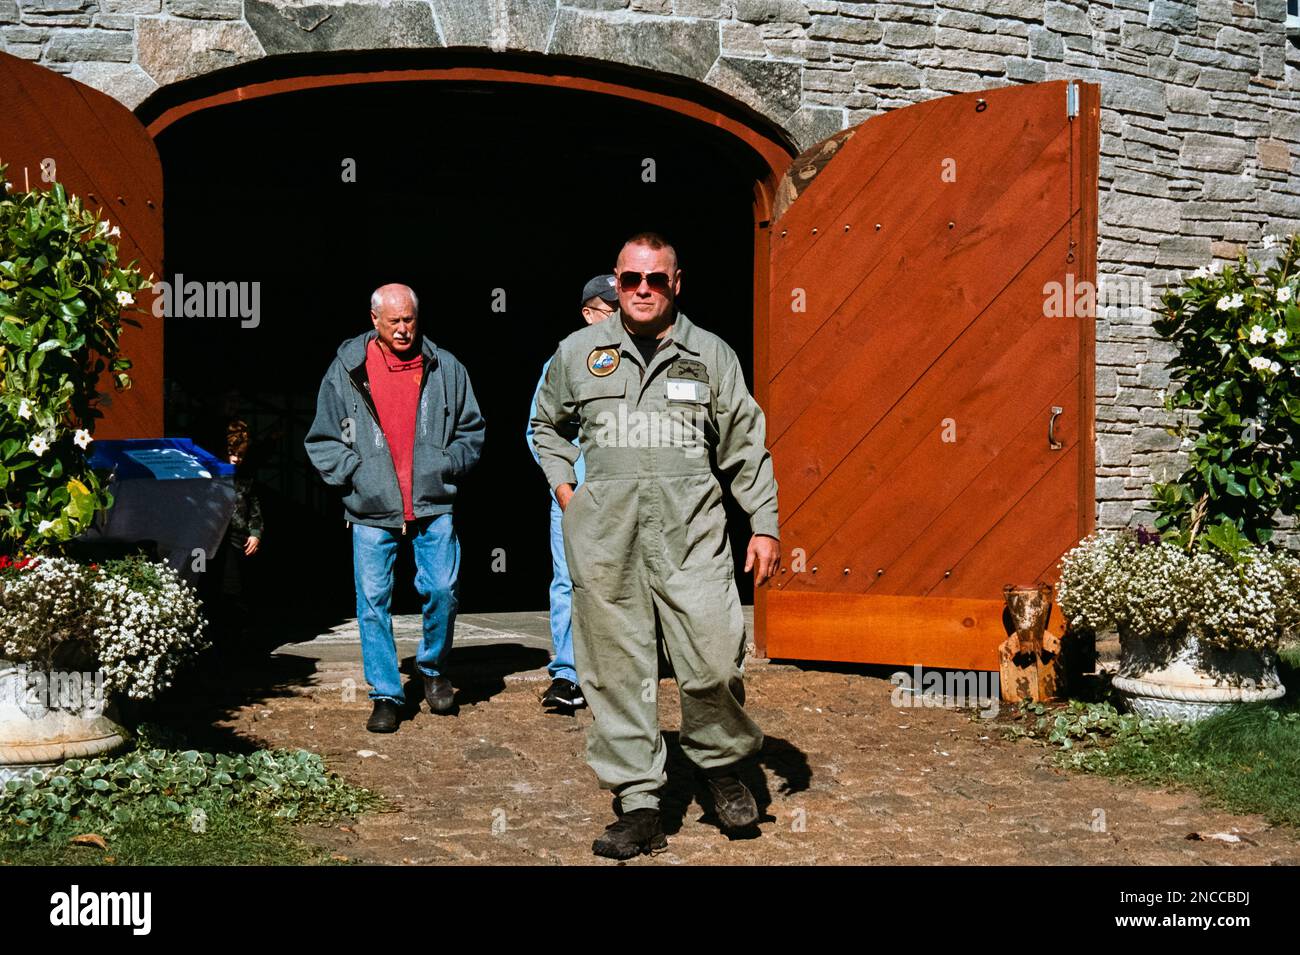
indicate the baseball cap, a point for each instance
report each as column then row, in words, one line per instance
column 602, row 286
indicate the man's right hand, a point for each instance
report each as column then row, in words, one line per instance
column 562, row 495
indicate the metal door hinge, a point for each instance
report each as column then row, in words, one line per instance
column 1071, row 100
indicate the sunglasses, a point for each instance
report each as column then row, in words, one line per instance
column 659, row 282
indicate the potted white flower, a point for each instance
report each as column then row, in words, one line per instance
column 1199, row 631
column 77, row 638
column 1202, row 603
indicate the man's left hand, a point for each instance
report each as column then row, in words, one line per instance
column 250, row 546
column 763, row 557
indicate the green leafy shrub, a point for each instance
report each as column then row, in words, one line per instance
column 1237, row 334
column 62, row 295
column 158, row 788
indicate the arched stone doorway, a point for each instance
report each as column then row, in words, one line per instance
column 495, row 193
column 894, row 303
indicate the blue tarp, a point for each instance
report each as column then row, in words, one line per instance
column 158, row 458
column 167, row 490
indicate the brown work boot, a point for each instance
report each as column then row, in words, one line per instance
column 439, row 693
column 733, row 803
column 632, row 834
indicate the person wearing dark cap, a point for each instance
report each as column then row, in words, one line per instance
column 599, row 301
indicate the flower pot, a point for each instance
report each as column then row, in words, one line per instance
column 46, row 718
column 1178, row 679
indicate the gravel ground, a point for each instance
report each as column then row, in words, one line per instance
column 845, row 776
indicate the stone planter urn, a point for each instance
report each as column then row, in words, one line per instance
column 47, row 717
column 1178, row 679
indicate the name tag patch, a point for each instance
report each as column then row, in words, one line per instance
column 683, row 390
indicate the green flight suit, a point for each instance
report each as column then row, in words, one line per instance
column 646, row 543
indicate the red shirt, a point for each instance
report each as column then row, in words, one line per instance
column 395, row 388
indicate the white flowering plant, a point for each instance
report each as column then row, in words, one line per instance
column 62, row 298
column 1144, row 586
column 137, row 620
column 1237, row 368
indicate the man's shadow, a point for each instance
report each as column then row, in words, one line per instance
column 686, row 784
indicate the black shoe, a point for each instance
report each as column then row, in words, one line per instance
column 384, row 718
column 564, row 694
column 631, row 835
column 439, row 693
column 733, row 803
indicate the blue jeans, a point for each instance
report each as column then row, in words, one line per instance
column 437, row 576
column 561, row 667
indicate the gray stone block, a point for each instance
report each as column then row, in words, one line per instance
column 951, row 81
column 1211, row 78
column 1045, row 44
column 76, row 46
column 845, row 30
column 686, row 48
column 114, row 21
column 962, row 60
column 1114, row 514
column 130, row 6
column 283, row 27
column 125, row 82
column 1173, row 15
column 1065, row 19
column 1212, row 153
column 1132, row 95
column 1145, row 40
column 698, row 8
column 771, row 11
column 25, row 34
column 206, row 9
column 812, row 124
column 875, row 75
column 56, row 6
column 1114, row 450
column 981, row 42
column 1182, row 99
column 24, row 51
column 8, row 11
column 1238, row 41
column 770, row 86
column 780, row 31
column 1154, row 439
column 742, row 38
column 1020, row 9
column 513, row 24
column 60, row 20
column 909, row 35
column 172, row 50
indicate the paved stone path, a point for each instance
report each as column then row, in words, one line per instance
column 845, row 777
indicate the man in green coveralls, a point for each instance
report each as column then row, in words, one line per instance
column 657, row 404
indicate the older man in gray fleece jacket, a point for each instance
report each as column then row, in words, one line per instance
column 398, row 428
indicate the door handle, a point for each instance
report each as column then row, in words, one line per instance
column 1051, row 429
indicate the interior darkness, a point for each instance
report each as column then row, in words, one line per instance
column 461, row 190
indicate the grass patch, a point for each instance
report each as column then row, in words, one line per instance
column 1246, row 760
column 162, row 806
column 232, row 836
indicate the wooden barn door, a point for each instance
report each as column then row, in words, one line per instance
column 929, row 395
column 102, row 153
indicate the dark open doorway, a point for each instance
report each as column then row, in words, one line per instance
column 461, row 189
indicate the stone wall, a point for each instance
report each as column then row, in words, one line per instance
column 1200, row 119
